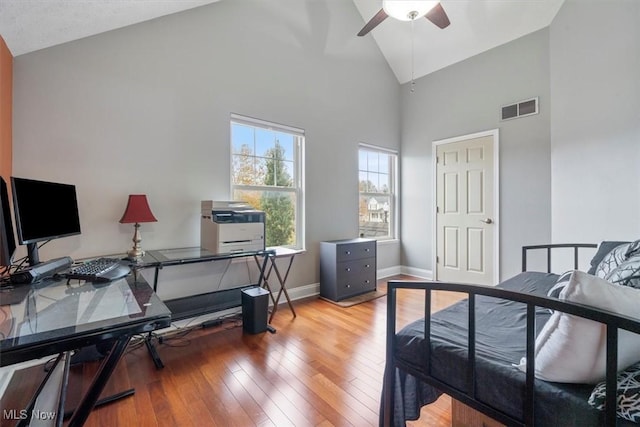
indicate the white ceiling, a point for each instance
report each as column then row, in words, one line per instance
column 476, row 26
column 29, row 25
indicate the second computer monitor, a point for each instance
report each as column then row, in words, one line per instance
column 7, row 234
column 44, row 211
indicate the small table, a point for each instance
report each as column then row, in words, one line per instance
column 52, row 317
column 279, row 252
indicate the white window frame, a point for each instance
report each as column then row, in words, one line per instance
column 299, row 171
column 393, row 189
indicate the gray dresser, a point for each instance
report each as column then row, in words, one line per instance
column 347, row 268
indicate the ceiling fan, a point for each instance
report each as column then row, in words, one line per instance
column 408, row 10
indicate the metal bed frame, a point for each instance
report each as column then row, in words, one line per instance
column 612, row 321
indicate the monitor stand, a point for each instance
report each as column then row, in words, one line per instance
column 32, row 254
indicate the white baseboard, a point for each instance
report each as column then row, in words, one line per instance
column 299, row 292
column 302, row 292
column 313, row 289
column 417, row 272
column 388, row 272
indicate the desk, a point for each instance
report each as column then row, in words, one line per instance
column 196, row 305
column 191, row 306
column 51, row 317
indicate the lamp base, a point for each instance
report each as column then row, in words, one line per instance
column 136, row 252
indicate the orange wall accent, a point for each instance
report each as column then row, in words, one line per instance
column 6, row 107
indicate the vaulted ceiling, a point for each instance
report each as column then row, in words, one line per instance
column 476, row 26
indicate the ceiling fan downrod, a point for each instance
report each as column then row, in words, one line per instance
column 413, row 16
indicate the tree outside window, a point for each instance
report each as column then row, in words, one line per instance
column 266, row 173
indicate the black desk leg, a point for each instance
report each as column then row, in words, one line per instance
column 104, row 401
column 107, row 367
column 32, row 403
column 153, row 351
column 263, row 281
column 63, row 389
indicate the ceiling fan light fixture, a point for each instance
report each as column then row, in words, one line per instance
column 408, row 10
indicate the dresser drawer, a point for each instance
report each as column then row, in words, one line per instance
column 346, row 270
column 354, row 281
column 350, row 251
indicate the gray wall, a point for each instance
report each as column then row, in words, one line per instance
column 145, row 109
column 466, row 98
column 595, row 122
column 570, row 173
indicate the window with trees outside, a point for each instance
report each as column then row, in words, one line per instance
column 267, row 173
column 377, row 182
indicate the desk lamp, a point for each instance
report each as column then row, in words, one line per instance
column 137, row 211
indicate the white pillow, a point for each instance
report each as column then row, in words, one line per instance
column 572, row 349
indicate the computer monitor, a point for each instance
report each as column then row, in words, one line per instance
column 44, row 211
column 7, row 234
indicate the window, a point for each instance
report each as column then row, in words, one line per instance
column 377, row 186
column 267, row 172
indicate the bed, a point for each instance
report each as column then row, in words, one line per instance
column 497, row 370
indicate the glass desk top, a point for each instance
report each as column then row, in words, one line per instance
column 146, row 261
column 50, row 312
column 198, row 254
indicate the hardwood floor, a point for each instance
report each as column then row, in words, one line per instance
column 323, row 368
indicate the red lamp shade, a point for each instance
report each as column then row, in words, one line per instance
column 137, row 210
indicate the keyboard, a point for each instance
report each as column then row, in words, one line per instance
column 99, row 270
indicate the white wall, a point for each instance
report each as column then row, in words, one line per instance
column 145, row 109
column 466, row 98
column 595, row 122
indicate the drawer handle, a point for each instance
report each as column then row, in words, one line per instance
column 348, row 286
column 366, row 281
column 367, row 265
column 367, row 250
column 347, row 252
column 348, row 268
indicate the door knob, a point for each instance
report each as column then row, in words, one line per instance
column 487, row 221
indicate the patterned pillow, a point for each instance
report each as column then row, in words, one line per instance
column 612, row 260
column 628, row 395
column 604, row 248
column 627, row 273
column 562, row 281
column 634, row 249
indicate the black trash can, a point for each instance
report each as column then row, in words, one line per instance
column 255, row 307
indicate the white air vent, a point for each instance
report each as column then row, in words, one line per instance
column 520, row 109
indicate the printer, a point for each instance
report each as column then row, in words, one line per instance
column 227, row 227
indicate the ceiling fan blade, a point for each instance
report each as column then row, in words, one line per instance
column 438, row 16
column 374, row 22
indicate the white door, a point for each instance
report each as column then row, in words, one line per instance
column 466, row 209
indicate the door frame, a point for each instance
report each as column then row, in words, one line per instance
column 495, row 133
